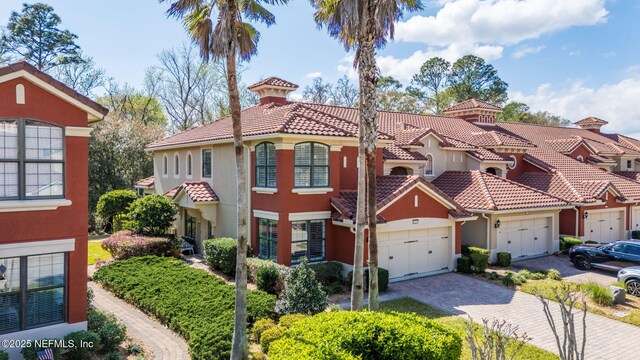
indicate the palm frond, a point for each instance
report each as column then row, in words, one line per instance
column 253, row 10
column 181, row 8
column 248, row 38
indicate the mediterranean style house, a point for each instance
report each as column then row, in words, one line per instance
column 44, row 137
column 443, row 181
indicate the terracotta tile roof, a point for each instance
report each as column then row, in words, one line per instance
column 591, row 121
column 411, row 136
column 566, row 146
column 394, row 152
column 388, row 189
column 273, row 81
column 552, row 183
column 633, row 175
column 171, row 193
column 146, row 182
column 472, row 104
column 596, row 159
column 494, row 138
column 23, row 65
column 477, row 191
column 484, row 154
column 198, row 191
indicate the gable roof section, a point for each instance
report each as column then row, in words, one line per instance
column 591, row 120
column 273, row 81
column 472, row 104
column 197, row 191
column 145, row 183
column 480, row 191
column 390, row 188
column 394, row 152
column 23, row 69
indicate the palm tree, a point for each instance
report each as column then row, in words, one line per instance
column 217, row 27
column 364, row 25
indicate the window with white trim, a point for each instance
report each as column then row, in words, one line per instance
column 266, row 165
column 176, row 164
column 206, row 163
column 189, row 164
column 268, row 239
column 308, row 240
column 165, row 165
column 428, row 166
column 311, row 167
column 31, row 160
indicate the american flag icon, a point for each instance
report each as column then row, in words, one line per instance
column 45, row 354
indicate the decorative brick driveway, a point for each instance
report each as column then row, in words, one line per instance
column 463, row 295
column 567, row 270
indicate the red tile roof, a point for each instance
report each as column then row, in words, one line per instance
column 389, row 188
column 146, row 182
column 23, row 65
column 553, row 183
column 595, row 159
column 484, row 154
column 273, row 81
column 198, row 191
column 591, row 121
column 472, row 104
column 633, row 175
column 480, row 191
column 394, row 152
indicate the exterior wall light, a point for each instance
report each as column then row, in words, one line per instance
column 414, row 221
column 497, row 225
column 586, row 214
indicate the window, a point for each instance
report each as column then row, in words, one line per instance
column 428, row 166
column 307, row 239
column 266, row 165
column 206, row 163
column 176, row 163
column 32, row 291
column 165, row 165
column 268, row 239
column 311, row 165
column 633, row 249
column 189, row 165
column 31, row 160
column 189, row 226
column 513, row 162
column 629, row 164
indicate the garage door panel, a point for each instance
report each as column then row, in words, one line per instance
column 525, row 237
column 399, row 259
column 418, row 257
column 438, row 256
column 398, row 235
column 604, row 226
column 635, row 218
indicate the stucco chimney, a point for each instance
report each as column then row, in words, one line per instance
column 273, row 90
column 475, row 111
column 592, row 124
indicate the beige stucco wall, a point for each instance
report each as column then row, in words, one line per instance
column 474, row 233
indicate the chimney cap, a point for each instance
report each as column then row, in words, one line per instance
column 272, row 82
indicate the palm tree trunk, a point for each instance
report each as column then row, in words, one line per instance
column 367, row 67
column 240, row 345
column 357, row 287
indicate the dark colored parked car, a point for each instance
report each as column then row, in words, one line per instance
column 612, row 256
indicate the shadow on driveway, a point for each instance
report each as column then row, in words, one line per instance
column 567, row 270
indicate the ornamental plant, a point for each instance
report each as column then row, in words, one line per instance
column 152, row 214
column 302, row 293
column 114, row 204
column 126, row 244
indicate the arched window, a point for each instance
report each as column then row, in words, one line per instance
column 189, row 164
column 428, row 166
column 492, row 171
column 266, row 165
column 176, row 164
column 31, row 160
column 399, row 170
column 165, row 165
column 513, row 162
column 311, row 165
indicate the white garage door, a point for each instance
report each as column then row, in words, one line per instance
column 604, row 226
column 526, row 237
column 635, row 218
column 414, row 251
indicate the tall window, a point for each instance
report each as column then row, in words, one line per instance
column 206, row 163
column 32, row 291
column 311, row 165
column 189, row 165
column 428, row 166
column 176, row 163
column 165, row 165
column 266, row 165
column 31, row 160
column 189, row 226
column 268, row 239
column 307, row 239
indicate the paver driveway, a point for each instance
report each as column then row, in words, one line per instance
column 567, row 270
column 463, row 295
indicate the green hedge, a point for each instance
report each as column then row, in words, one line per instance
column 264, row 278
column 464, row 264
column 31, row 353
column 567, row 242
column 383, row 279
column 468, row 250
column 196, row 305
column 125, row 244
column 4, row 355
column 366, row 335
column 221, row 254
column 503, row 259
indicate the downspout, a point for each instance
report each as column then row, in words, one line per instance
column 488, row 230
column 577, row 221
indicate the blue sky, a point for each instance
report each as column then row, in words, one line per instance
column 575, row 58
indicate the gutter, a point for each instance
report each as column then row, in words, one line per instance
column 488, row 230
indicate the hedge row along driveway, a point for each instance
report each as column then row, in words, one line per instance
column 196, row 305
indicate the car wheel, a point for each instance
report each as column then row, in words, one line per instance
column 633, row 287
column 582, row 262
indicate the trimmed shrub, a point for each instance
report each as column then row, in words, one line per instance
column 112, row 334
column 302, row 294
column 134, row 349
column 513, row 279
column 269, row 336
column 261, row 326
column 221, row 254
column 598, row 293
column 479, row 262
column 383, row 279
column 287, row 321
column 328, row 272
column 254, row 263
column 152, row 214
column 567, row 242
column 464, row 265
column 113, row 205
column 635, row 234
column 78, row 351
column 467, row 250
column 538, row 275
column 268, row 279
column 125, row 244
column 4, row 355
column 191, row 302
column 31, row 353
column 554, row 274
column 503, row 259
column 366, row 335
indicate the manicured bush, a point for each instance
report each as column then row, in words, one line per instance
column 513, row 279
column 635, row 234
column 268, row 279
column 80, row 351
column 598, row 293
column 221, row 254
column 479, row 262
column 254, row 263
column 125, row 244
column 567, row 242
column 503, row 259
column 261, row 326
column 554, row 274
column 134, row 349
column 467, row 250
column 4, row 355
column 152, row 214
column 287, row 321
column 383, row 279
column 464, row 265
column 302, row 294
column 31, row 352
column 366, row 335
column 114, row 204
column 191, row 302
column 538, row 275
column 112, row 334
column 328, row 272
column 269, row 336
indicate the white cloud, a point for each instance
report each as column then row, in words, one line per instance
column 485, row 27
column 313, row 75
column 526, row 50
column 345, row 67
column 614, row 102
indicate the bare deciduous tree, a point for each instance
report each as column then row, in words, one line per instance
column 567, row 299
column 83, row 76
column 499, row 340
column 344, row 92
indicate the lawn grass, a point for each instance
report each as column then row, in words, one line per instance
column 546, row 288
column 456, row 323
column 97, row 252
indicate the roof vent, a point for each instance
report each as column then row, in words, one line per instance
column 592, row 124
column 273, row 90
column 475, row 111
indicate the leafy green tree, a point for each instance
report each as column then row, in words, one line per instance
column 302, row 293
column 115, row 203
column 34, row 35
column 429, row 84
column 152, row 214
column 391, row 97
column 472, row 78
column 364, row 26
column 520, row 113
column 217, row 27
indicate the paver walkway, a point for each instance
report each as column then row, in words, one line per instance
column 165, row 344
column 567, row 270
column 463, row 295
